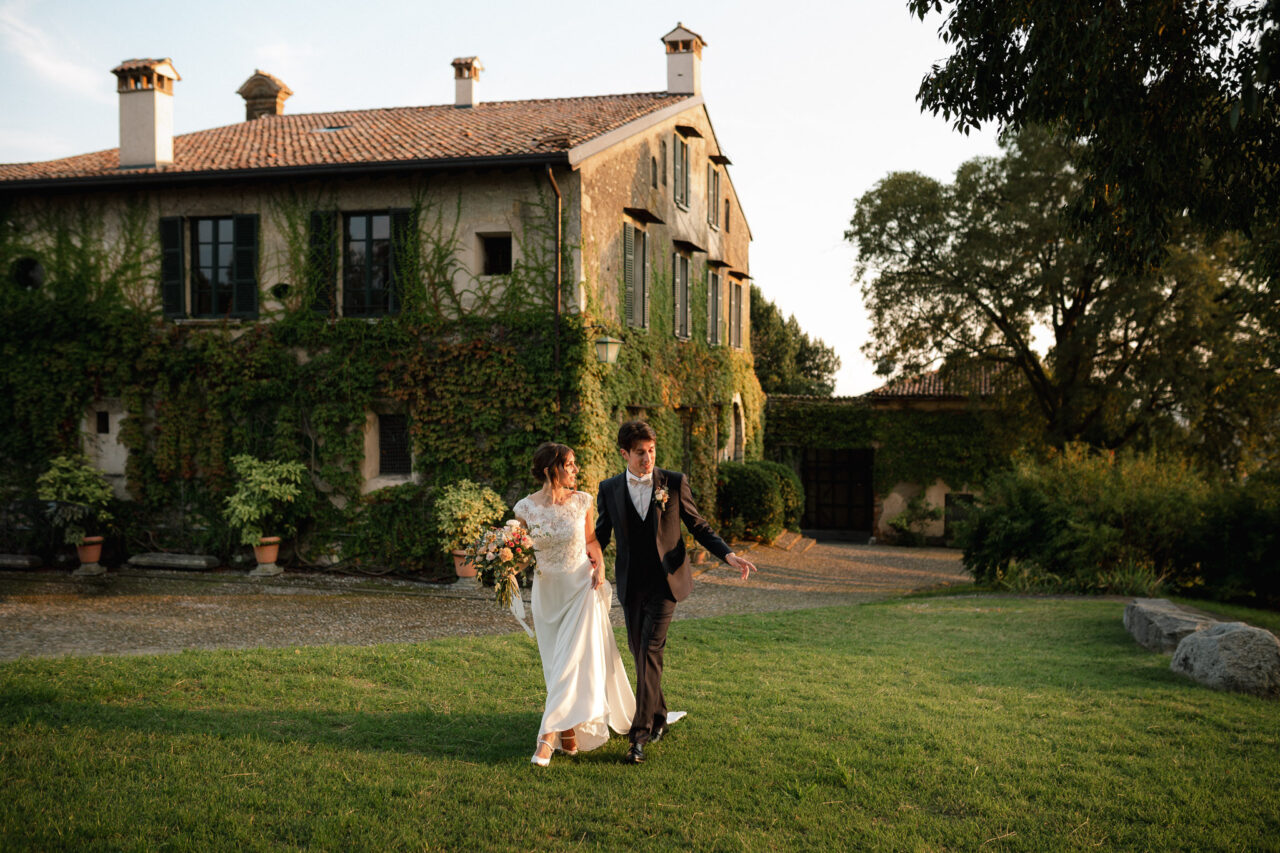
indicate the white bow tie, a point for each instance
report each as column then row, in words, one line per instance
column 646, row 480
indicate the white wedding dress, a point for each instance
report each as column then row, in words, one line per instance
column 587, row 688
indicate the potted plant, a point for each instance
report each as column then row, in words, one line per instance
column 78, row 495
column 463, row 511
column 266, row 490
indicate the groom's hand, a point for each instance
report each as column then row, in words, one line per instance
column 745, row 566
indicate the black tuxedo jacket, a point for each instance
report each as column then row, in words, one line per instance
column 611, row 517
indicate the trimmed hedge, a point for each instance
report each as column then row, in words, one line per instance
column 790, row 489
column 758, row 500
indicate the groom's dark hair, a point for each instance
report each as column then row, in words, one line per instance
column 633, row 431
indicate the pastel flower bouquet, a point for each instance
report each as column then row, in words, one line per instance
column 501, row 555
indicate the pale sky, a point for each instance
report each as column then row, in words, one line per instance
column 814, row 101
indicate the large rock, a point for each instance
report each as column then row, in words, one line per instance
column 1232, row 656
column 1159, row 624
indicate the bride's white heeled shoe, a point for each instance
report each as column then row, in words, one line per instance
column 538, row 759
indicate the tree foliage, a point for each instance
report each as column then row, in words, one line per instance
column 787, row 360
column 1176, row 101
column 971, row 271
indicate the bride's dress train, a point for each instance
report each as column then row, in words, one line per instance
column 587, row 687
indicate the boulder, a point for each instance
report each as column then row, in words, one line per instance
column 1159, row 624
column 1231, row 656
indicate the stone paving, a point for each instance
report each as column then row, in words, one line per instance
column 49, row 613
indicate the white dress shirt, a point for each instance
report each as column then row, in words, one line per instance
column 641, row 489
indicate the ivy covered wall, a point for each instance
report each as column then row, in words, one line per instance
column 958, row 445
column 470, row 359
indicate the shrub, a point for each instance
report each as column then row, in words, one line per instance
column 266, row 498
column 790, row 489
column 1120, row 523
column 78, row 495
column 748, row 502
column 909, row 524
column 463, row 510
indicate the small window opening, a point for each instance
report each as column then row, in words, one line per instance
column 394, row 457
column 496, row 254
column 104, row 423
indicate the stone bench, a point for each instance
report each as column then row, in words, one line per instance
column 199, row 562
column 20, row 561
column 1159, row 625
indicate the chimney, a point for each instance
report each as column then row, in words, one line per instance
column 264, row 95
column 146, row 112
column 466, row 74
column 684, row 61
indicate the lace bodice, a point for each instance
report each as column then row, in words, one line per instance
column 558, row 531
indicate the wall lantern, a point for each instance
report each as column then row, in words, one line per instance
column 607, row 349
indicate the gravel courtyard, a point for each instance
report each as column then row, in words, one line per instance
column 50, row 613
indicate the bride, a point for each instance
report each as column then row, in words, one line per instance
column 587, row 689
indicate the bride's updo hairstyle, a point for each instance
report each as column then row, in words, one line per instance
column 551, row 456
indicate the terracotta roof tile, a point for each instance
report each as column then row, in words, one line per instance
column 488, row 130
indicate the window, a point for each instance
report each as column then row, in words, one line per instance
column 735, row 316
column 662, row 150
column 726, row 216
column 366, row 276
column 713, row 196
column 653, row 168
column 223, row 277
column 360, row 250
column 635, row 275
column 713, row 307
column 495, row 254
column 394, row 457
column 680, row 179
column 103, row 423
column 680, row 295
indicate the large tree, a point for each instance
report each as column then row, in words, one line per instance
column 972, row 271
column 787, row 360
column 1176, row 100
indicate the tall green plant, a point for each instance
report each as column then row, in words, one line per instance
column 78, row 495
column 265, row 493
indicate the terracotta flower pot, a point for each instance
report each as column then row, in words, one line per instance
column 463, row 567
column 90, row 550
column 267, row 549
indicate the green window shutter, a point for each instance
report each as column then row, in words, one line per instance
column 244, row 267
column 719, row 305
column 710, row 204
column 675, row 294
column 322, row 260
column 404, row 256
column 629, row 271
column 677, row 178
column 644, row 280
column 686, row 325
column 684, row 155
column 172, row 280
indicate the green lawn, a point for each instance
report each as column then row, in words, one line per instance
column 929, row 724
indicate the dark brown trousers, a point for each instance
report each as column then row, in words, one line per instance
column 648, row 615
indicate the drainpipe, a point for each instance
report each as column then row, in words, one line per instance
column 559, row 238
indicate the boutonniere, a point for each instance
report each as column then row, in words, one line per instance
column 660, row 496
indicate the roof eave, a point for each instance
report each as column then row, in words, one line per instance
column 124, row 180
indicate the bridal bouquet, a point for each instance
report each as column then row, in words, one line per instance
column 500, row 556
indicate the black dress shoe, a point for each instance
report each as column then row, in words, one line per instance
column 659, row 733
column 635, row 755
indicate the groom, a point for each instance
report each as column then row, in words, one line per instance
column 645, row 505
